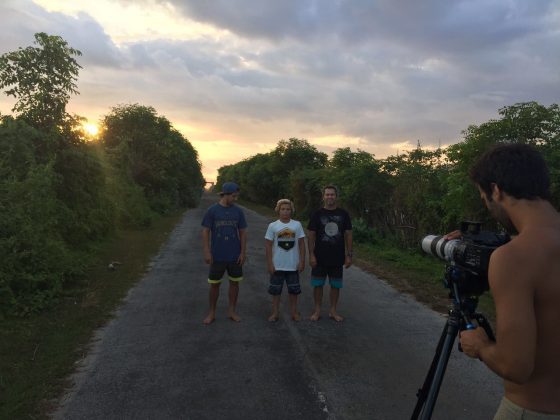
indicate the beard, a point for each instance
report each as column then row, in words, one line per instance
column 501, row 216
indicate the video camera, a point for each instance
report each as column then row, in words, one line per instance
column 468, row 258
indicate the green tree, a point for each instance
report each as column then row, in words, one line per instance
column 152, row 154
column 42, row 79
column 290, row 157
column 415, row 204
column 527, row 122
column 364, row 188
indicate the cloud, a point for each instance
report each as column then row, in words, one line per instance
column 434, row 25
column 253, row 72
column 21, row 19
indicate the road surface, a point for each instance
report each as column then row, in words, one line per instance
column 156, row 360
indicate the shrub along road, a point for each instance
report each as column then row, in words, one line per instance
column 156, row 359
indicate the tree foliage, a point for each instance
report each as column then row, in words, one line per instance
column 153, row 155
column 402, row 197
column 60, row 194
column 41, row 78
column 529, row 123
column 266, row 177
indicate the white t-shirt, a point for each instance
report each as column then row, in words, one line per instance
column 285, row 244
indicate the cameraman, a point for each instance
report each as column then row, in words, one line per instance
column 524, row 277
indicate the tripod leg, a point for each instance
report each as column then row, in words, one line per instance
column 452, row 331
column 422, row 393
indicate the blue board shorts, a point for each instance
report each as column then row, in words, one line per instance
column 319, row 275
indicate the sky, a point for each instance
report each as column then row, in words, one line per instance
column 237, row 76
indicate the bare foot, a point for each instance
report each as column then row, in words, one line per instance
column 315, row 316
column 209, row 319
column 296, row 316
column 234, row 317
column 336, row 317
column 273, row 318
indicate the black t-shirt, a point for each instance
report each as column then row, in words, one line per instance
column 329, row 227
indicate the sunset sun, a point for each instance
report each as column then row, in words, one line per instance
column 91, row 129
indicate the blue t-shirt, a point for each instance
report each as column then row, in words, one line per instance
column 224, row 224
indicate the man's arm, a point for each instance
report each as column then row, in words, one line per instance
column 301, row 245
column 348, row 248
column 311, row 235
column 243, row 240
column 268, row 250
column 206, row 245
column 512, row 356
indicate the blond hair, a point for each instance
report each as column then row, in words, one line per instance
column 284, row 201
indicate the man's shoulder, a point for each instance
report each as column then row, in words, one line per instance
column 212, row 207
column 316, row 212
column 343, row 211
column 273, row 224
column 237, row 209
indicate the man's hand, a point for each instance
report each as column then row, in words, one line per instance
column 312, row 261
column 301, row 266
column 473, row 341
column 347, row 261
column 241, row 258
column 271, row 268
column 207, row 257
column 456, row 234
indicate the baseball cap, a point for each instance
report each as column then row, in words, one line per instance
column 229, row 188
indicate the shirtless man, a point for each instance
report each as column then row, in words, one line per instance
column 524, row 277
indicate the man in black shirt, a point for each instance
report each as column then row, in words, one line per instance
column 330, row 248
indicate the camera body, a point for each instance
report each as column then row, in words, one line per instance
column 467, row 258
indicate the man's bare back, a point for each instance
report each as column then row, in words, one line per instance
column 541, row 244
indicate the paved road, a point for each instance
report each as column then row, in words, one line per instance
column 156, row 360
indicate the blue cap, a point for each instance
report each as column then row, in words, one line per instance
column 229, row 188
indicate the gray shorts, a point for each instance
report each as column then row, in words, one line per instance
column 510, row 411
column 277, row 281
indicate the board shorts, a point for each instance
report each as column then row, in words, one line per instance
column 218, row 268
column 277, row 281
column 319, row 274
column 510, row 411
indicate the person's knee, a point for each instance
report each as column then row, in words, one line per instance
column 336, row 284
column 275, row 290
column 317, row 283
column 294, row 290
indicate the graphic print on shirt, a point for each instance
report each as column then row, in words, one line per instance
column 286, row 239
column 331, row 231
column 226, row 229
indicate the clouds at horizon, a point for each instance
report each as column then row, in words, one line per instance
column 238, row 76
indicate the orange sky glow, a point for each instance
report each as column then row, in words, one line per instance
column 374, row 77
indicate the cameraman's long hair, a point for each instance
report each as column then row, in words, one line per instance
column 517, row 169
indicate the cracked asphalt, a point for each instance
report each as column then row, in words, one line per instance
column 156, row 360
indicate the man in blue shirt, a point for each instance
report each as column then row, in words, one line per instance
column 224, row 242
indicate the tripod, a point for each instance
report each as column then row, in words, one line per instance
column 460, row 316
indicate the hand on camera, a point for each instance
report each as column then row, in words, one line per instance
column 456, row 234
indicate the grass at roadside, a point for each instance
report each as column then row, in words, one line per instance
column 416, row 274
column 38, row 353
